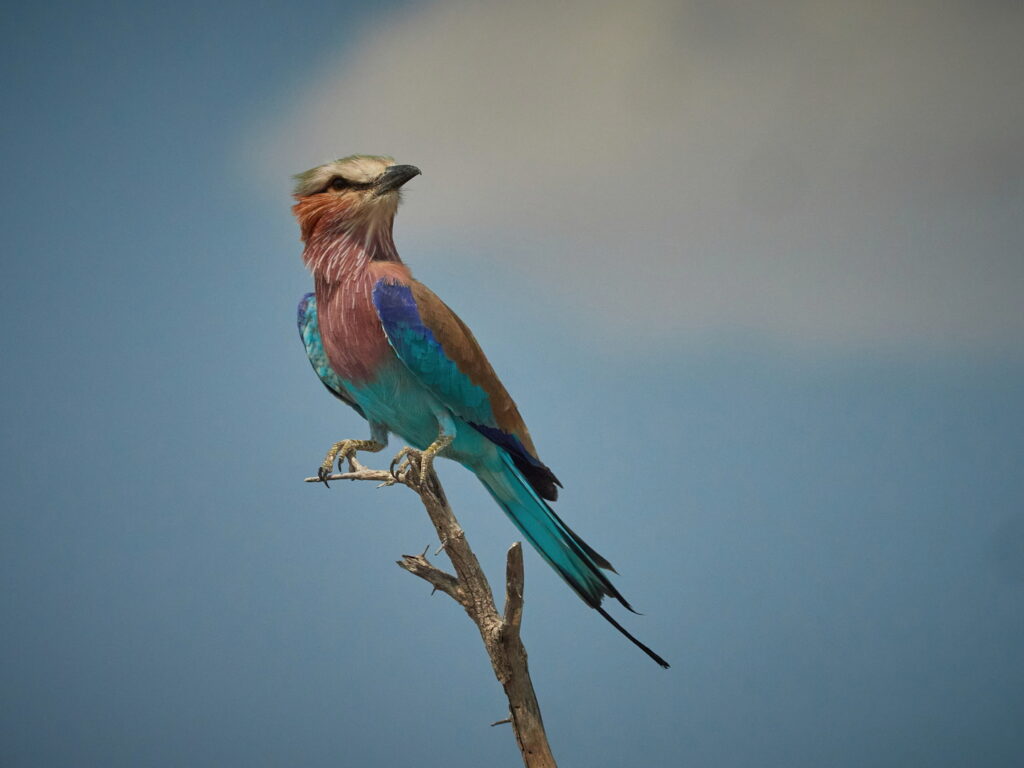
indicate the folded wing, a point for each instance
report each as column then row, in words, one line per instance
column 441, row 351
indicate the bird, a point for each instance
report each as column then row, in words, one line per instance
column 384, row 344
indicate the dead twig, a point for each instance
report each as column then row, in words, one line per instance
column 470, row 589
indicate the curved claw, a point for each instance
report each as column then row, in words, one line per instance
column 342, row 451
column 421, row 461
column 427, row 457
column 406, row 453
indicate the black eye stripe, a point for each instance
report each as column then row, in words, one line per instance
column 340, row 183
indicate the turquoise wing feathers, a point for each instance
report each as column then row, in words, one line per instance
column 443, row 354
column 418, row 347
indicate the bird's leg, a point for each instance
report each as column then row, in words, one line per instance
column 347, row 449
column 402, row 454
column 425, row 458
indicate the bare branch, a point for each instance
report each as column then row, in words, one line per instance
column 418, row 565
column 470, row 589
column 378, row 475
column 513, row 589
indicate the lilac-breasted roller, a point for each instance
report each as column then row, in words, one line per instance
column 386, row 345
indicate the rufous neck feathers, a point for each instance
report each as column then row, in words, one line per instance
column 340, row 240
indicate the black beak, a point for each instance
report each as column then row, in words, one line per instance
column 394, row 177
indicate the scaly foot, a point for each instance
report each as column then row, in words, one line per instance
column 410, row 458
column 345, row 449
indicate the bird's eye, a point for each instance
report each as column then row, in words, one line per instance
column 339, row 183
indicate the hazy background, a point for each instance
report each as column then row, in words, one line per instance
column 753, row 274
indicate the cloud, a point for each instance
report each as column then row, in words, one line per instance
column 814, row 172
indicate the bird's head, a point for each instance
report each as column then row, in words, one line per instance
column 358, row 194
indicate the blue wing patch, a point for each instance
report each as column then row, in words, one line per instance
column 417, row 347
column 525, row 460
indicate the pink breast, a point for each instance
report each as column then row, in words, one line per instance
column 352, row 334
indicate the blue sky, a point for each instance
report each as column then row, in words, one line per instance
column 752, row 278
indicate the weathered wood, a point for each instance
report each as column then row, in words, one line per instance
column 470, row 589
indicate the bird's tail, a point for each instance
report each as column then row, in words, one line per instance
column 567, row 553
